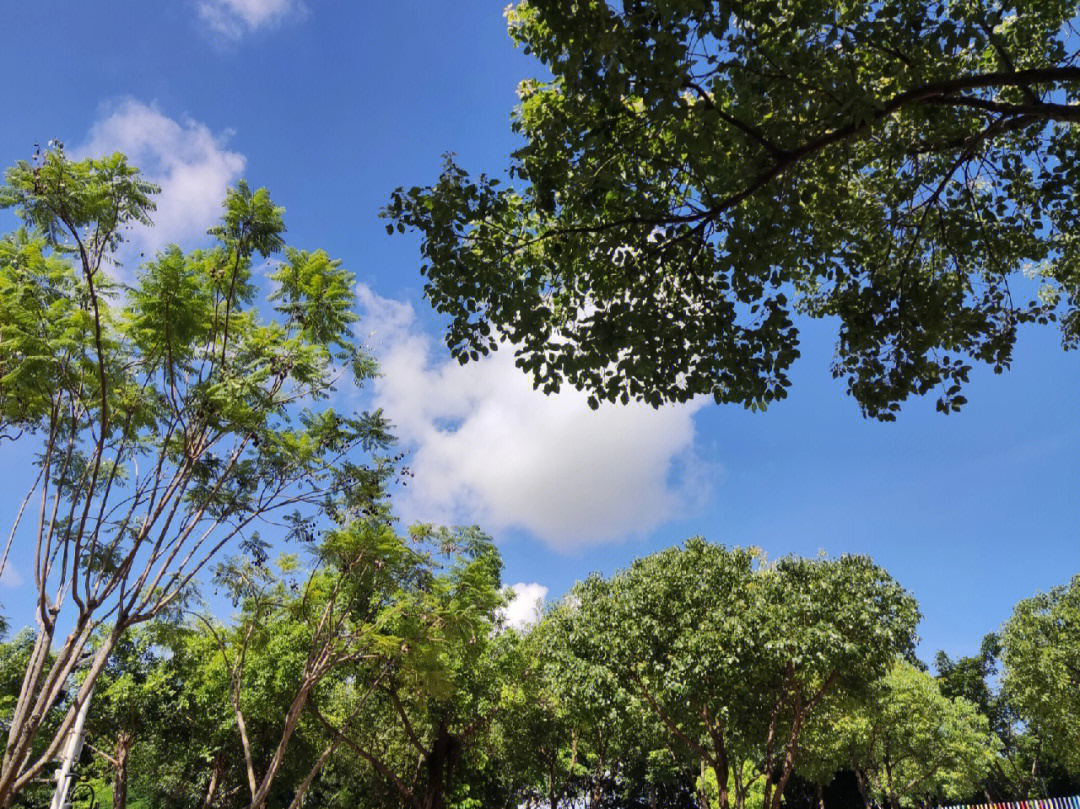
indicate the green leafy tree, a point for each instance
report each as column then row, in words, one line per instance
column 197, row 761
column 976, row 679
column 733, row 656
column 169, row 417
column 575, row 734
column 1040, row 652
column 292, row 635
column 134, row 704
column 755, row 792
column 908, row 743
column 624, row 754
column 970, row 678
column 538, row 730
column 430, row 718
column 695, row 174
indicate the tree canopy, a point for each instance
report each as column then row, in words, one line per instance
column 1041, row 655
column 696, row 175
column 732, row 658
column 908, row 743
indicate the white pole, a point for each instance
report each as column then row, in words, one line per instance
column 72, row 751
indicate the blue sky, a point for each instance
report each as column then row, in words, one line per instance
column 333, row 104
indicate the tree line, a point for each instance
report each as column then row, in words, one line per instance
column 380, row 672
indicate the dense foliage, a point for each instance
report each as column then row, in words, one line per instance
column 696, row 174
column 377, row 671
column 1041, row 652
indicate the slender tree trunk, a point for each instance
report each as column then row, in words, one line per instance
column 702, row 793
column 245, row 745
column 864, row 789
column 820, row 796
column 722, row 783
column 119, row 791
column 292, row 719
column 20, row 767
column 894, row 800
column 301, row 790
column 215, row 780
column 737, row 769
column 18, row 729
column 596, row 787
column 788, row 766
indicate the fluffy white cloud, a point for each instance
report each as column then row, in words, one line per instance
column 234, row 18
column 488, row 448
column 527, row 605
column 188, row 161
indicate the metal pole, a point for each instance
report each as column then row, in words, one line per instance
column 72, row 751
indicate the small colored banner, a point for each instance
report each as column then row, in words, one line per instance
column 1035, row 803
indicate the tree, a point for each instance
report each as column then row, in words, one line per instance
column 694, row 174
column 907, row 742
column 976, row 679
column 269, row 706
column 969, row 677
column 734, row 656
column 170, row 417
column 430, row 714
column 576, row 734
column 191, row 759
column 292, row 636
column 540, row 728
column 1040, row 651
column 15, row 656
column 135, row 698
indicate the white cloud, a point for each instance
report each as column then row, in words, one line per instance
column 527, row 605
column 232, row 19
column 488, row 448
column 188, row 161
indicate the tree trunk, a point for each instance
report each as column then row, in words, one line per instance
column 441, row 763
column 41, row 691
column 723, row 797
column 305, row 785
column 864, row 788
column 894, row 799
column 14, row 758
column 702, row 793
column 292, row 719
column 596, row 787
column 119, row 790
column 215, row 780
